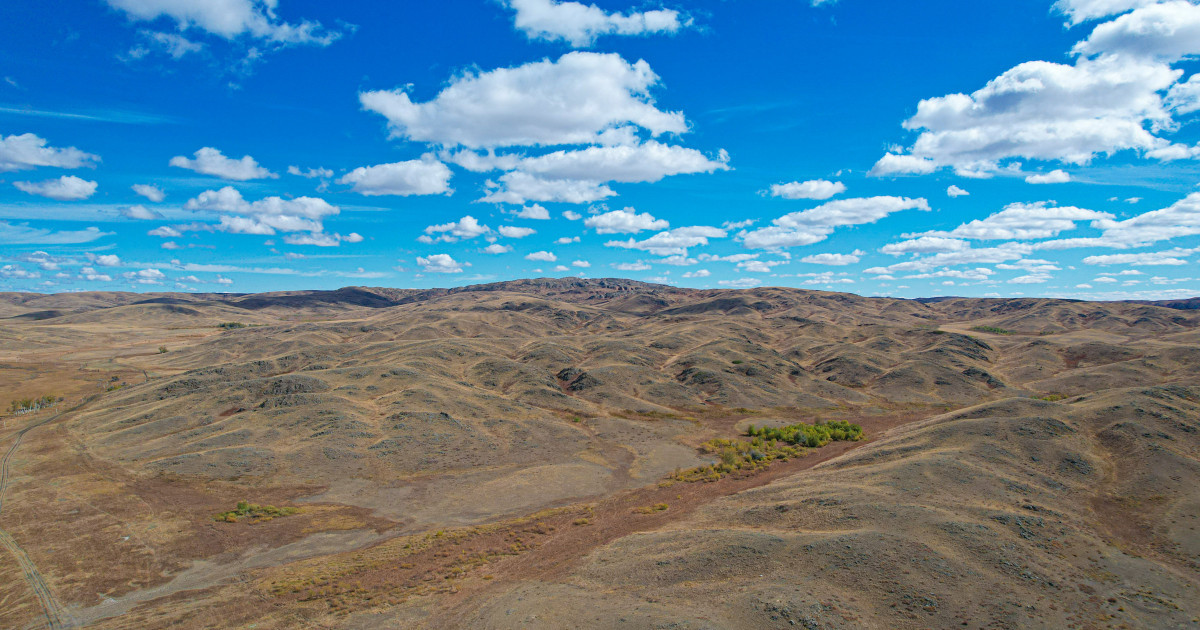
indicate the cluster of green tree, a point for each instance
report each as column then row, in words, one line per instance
column 26, row 405
column 993, row 330
column 231, row 325
column 811, row 435
column 766, row 446
column 256, row 513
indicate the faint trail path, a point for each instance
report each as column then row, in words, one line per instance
column 57, row 615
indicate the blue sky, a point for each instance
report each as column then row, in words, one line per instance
column 1032, row 148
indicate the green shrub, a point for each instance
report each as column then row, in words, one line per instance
column 993, row 330
column 254, row 512
column 767, row 445
column 231, row 325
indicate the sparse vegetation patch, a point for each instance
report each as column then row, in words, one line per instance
column 28, row 405
column 768, row 445
column 254, row 513
column 993, row 330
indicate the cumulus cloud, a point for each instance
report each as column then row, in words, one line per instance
column 465, row 228
column 984, row 255
column 149, row 191
column 322, row 239
column 145, row 276
column 518, row 188
column 819, row 189
column 91, row 275
column 1023, row 221
column 1120, row 94
column 140, row 213
column 1171, row 257
column 441, row 263
column 926, row 245
column 646, row 162
column 1180, row 219
column 65, row 188
column 105, row 260
column 1057, row 176
column 210, row 161
column 626, row 221
column 812, row 226
column 672, row 242
column 542, row 256
column 634, row 266
column 414, row 177
column 573, row 100
column 512, row 231
column 497, row 248
column 580, row 24
column 837, row 260
column 228, row 19
column 1166, row 30
column 1079, row 11
column 699, row 273
column 265, row 216
column 27, row 151
column 310, row 173
column 535, row 212
column 582, row 264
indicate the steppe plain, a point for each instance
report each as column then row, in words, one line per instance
column 504, row 456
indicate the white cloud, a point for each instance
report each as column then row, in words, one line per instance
column 165, row 231
column 760, row 266
column 1110, row 100
column 1057, row 176
column 926, row 245
column 1171, row 257
column 637, row 266
column 311, row 173
column 699, row 273
column 518, row 188
column 542, row 256
column 1184, row 98
column 222, row 280
column 321, row 239
column 813, row 189
column 145, row 276
column 571, row 215
column 566, row 240
column 740, row 283
column 1166, row 30
column 105, row 260
column 228, row 19
column 672, row 242
column 91, row 275
column 1023, row 221
column 1180, row 219
column 497, row 248
column 210, row 161
column 573, row 100
column 955, row 191
column 838, row 260
column 265, row 216
column 998, row 254
column 26, row 151
column 140, row 212
column 414, row 177
column 812, row 226
column 893, row 164
column 649, row 161
column 441, row 263
column 1083, row 10
column 534, row 212
column 65, row 188
column 582, row 264
column 149, row 191
column 579, row 24
column 467, row 227
column 512, row 231
column 23, row 234
column 561, row 268
column 626, row 221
